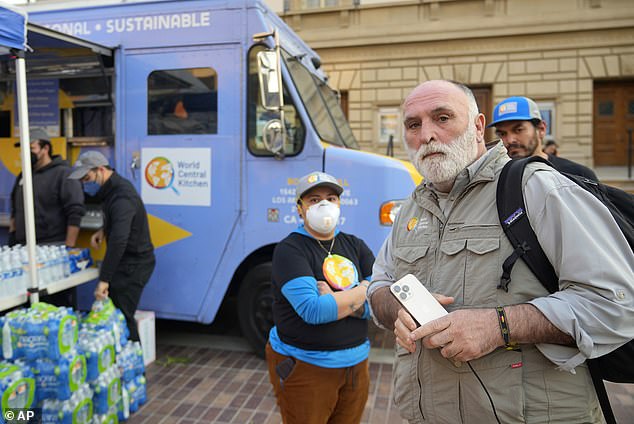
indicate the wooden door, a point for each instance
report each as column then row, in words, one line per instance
column 613, row 115
column 483, row 96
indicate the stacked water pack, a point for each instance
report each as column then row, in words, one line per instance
column 80, row 259
column 13, row 277
column 76, row 410
column 107, row 391
column 98, row 348
column 104, row 316
column 42, row 331
column 59, row 379
column 109, row 418
column 103, row 328
column 130, row 363
column 53, row 264
column 17, row 387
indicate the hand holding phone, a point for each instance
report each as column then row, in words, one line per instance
column 417, row 300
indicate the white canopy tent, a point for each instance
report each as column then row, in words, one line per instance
column 13, row 33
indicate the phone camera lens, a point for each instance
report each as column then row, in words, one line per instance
column 403, row 296
column 405, row 289
column 397, row 289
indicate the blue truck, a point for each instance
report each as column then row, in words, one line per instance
column 213, row 109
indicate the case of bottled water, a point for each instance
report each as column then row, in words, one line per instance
column 59, row 379
column 136, row 389
column 98, row 347
column 17, row 386
column 107, row 390
column 104, row 316
column 110, row 418
column 80, row 259
column 130, row 361
column 41, row 331
column 76, row 410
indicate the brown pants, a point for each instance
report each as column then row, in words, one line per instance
column 309, row 394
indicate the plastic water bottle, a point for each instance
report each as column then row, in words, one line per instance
column 20, row 273
column 65, row 261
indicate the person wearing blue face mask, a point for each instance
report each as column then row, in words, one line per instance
column 58, row 201
column 129, row 260
column 317, row 352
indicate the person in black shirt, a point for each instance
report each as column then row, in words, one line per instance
column 318, row 350
column 519, row 124
column 129, row 260
column 58, row 201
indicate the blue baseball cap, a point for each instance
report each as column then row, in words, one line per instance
column 515, row 109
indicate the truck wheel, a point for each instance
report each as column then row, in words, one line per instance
column 255, row 301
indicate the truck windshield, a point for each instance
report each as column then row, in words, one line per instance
column 322, row 105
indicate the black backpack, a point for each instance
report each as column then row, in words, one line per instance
column 616, row 366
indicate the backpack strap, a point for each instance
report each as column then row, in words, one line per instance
column 514, row 221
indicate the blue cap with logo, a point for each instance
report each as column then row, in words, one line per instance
column 515, row 109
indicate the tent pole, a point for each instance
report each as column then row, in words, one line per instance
column 27, row 176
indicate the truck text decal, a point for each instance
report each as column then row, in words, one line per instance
column 136, row 24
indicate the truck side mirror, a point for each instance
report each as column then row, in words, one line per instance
column 270, row 78
column 273, row 137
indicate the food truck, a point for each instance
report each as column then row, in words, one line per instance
column 213, row 109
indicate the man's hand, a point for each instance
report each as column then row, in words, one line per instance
column 96, row 239
column 101, row 291
column 405, row 324
column 461, row 335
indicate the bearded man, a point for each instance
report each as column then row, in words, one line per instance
column 519, row 124
column 515, row 356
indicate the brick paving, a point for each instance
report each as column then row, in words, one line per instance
column 192, row 385
column 231, row 387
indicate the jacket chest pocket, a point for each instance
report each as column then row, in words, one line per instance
column 470, row 268
column 412, row 260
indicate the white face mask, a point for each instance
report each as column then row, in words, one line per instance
column 323, row 216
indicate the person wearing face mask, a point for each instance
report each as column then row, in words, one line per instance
column 58, row 202
column 317, row 352
column 129, row 260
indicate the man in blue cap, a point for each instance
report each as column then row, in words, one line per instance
column 519, row 124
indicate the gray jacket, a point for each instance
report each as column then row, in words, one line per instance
column 459, row 252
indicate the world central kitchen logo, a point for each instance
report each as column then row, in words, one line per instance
column 161, row 174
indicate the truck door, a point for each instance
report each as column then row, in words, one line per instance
column 180, row 147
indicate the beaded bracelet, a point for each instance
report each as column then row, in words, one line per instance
column 504, row 329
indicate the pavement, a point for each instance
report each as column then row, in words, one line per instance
column 214, row 378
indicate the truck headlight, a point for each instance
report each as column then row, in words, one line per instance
column 388, row 212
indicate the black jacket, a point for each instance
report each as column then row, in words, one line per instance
column 570, row 167
column 58, row 203
column 125, row 226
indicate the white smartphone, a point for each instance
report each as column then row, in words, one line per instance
column 417, row 300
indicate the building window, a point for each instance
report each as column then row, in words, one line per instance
column 547, row 109
column 183, row 101
column 606, row 108
column 389, row 119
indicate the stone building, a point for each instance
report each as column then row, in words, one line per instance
column 574, row 57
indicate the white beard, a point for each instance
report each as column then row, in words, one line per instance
column 453, row 158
